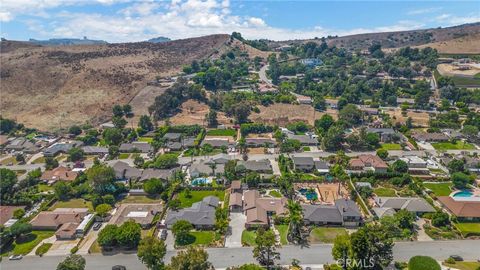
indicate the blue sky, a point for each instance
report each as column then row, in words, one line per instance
column 125, row 21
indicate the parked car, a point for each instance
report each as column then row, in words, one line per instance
column 97, row 226
column 161, row 224
column 163, row 234
column 119, row 267
column 15, row 257
column 456, row 258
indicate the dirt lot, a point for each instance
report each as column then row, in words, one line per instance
column 281, row 114
column 193, row 112
column 418, row 118
column 451, row 70
column 469, row 44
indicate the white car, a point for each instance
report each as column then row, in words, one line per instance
column 15, row 257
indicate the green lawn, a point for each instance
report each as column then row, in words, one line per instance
column 39, row 160
column 459, row 145
column 248, row 237
column 275, row 193
column 325, row 234
column 283, row 230
column 439, row 189
column 391, row 146
column 27, row 243
column 140, row 199
column 198, row 195
column 468, row 228
column 306, row 148
column 73, row 203
column 44, row 187
column 9, row 160
column 222, row 132
column 145, row 139
column 464, row 265
column 202, row 238
column 123, row 155
column 384, row 192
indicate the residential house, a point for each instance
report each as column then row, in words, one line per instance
column 301, row 99
column 332, row 103
column 236, row 198
column 142, row 147
column 260, row 142
column 306, row 140
column 430, row 137
column 322, row 166
column 22, row 144
column 58, row 174
column 236, row 186
column 216, row 143
column 472, row 164
column 259, row 209
column 201, row 214
column 259, row 166
column 304, row 164
column 343, row 213
column 385, row 134
column 164, row 174
column 414, row 205
column 463, row 209
column 173, row 137
column 142, row 214
column 123, row 171
column 95, row 150
column 62, row 147
column 416, row 165
column 64, row 221
column 6, row 215
column 366, row 163
column 203, row 168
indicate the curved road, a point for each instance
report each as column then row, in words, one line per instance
column 224, row 257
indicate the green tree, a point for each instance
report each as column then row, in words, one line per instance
column 332, row 141
column 108, row 236
column 461, row 180
column 75, row 130
column 440, row 219
column 151, row 251
column 8, row 181
column 166, row 161
column 112, row 136
column 103, row 209
column 372, row 244
column 119, row 122
column 153, row 186
column 181, row 229
column 470, row 130
column 50, row 163
column 72, row 262
column 400, row 166
column 127, row 110
column 456, row 165
column 382, row 153
column 20, row 228
column 295, row 222
column 7, row 125
column 139, row 161
column 324, row 123
column 193, row 258
column 351, row 115
column 102, row 178
column 145, row 123
column 18, row 213
column 265, row 252
column 20, row 158
column 63, row 190
column 117, row 111
column 75, row 154
column 341, row 249
column 212, row 118
column 129, row 234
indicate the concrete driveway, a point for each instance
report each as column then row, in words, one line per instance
column 421, row 234
column 235, row 227
column 62, row 247
column 170, row 241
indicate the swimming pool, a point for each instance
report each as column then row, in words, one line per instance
column 309, row 194
column 201, row 181
column 463, row 194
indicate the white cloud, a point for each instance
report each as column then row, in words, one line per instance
column 176, row 19
column 423, row 11
column 449, row 19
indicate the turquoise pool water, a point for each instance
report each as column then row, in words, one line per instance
column 309, row 194
column 463, row 194
column 200, row 181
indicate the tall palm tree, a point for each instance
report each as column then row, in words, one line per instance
column 295, row 221
column 213, row 166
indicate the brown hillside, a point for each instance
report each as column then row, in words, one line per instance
column 54, row 87
column 396, row 39
column 468, row 45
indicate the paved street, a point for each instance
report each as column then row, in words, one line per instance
column 224, row 257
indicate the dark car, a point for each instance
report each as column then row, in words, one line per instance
column 163, row 234
column 119, row 267
column 456, row 258
column 97, row 226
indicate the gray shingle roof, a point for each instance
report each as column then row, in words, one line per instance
column 200, row 213
column 305, row 161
